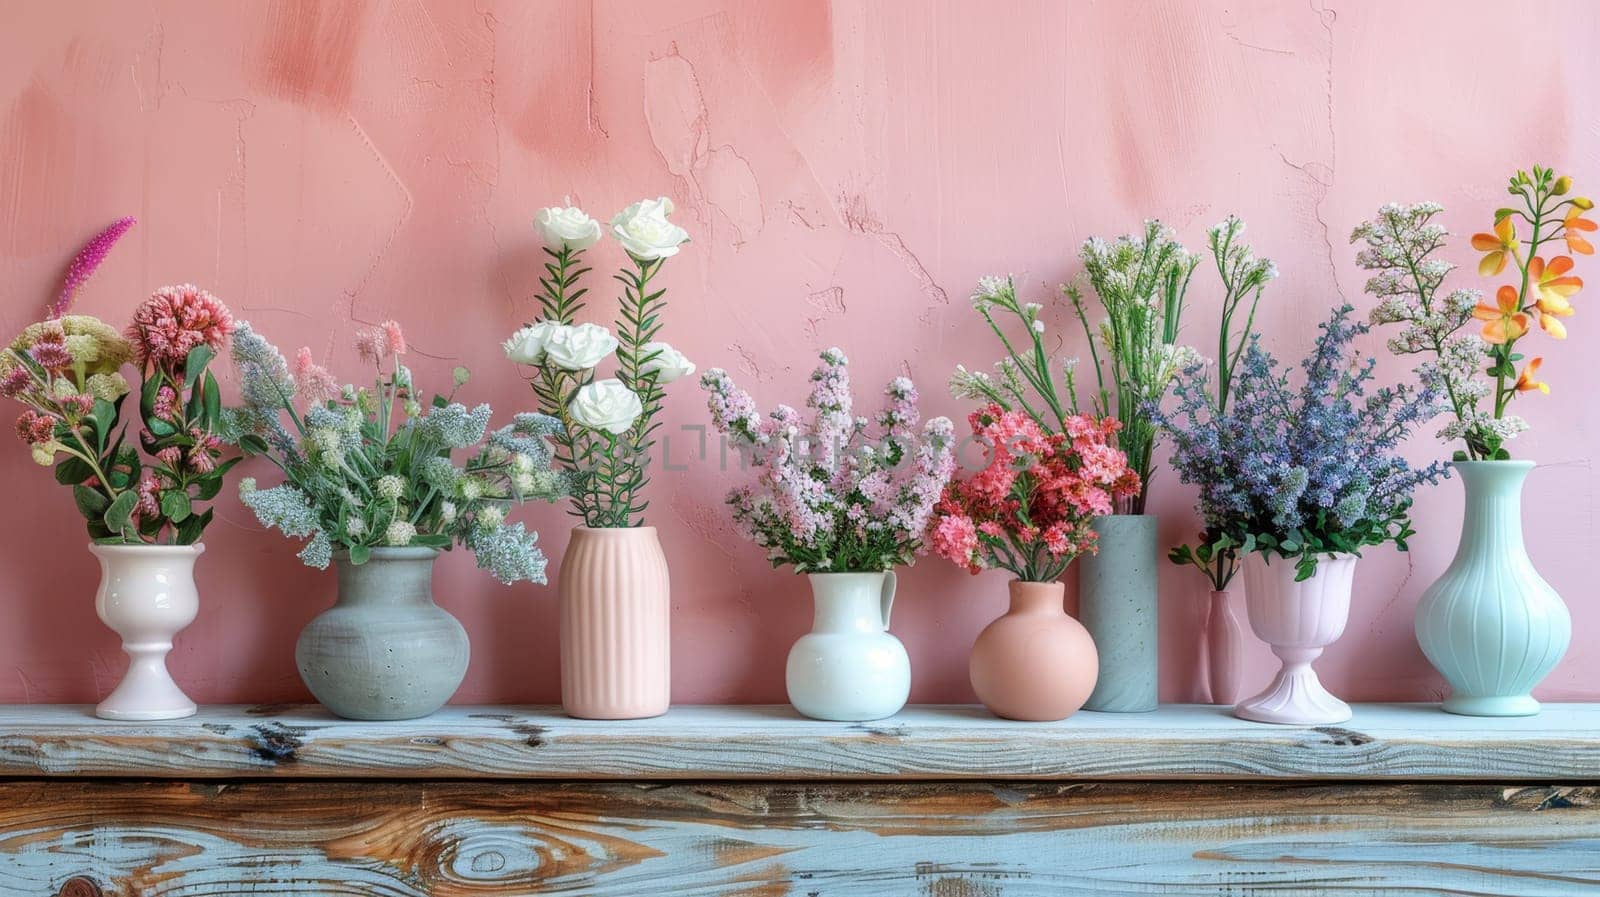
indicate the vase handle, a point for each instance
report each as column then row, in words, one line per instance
column 887, row 597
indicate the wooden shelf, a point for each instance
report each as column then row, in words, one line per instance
column 1394, row 742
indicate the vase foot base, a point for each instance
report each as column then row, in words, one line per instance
column 146, row 714
column 1295, row 698
column 1491, row 705
column 597, row 714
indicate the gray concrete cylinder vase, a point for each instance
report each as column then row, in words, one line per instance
column 1117, row 591
column 384, row 650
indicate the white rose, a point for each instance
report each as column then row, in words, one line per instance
column 566, row 226
column 526, row 346
column 579, row 348
column 644, row 231
column 669, row 364
column 606, row 405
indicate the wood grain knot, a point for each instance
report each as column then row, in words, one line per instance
column 79, row 887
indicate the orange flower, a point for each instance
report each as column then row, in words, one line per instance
column 1553, row 285
column 1576, row 222
column 1553, row 326
column 1499, row 246
column 1506, row 321
column 1525, row 381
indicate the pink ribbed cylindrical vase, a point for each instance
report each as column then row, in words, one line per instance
column 616, row 632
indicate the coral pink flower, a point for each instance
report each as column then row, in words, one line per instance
column 16, row 382
column 1036, row 496
column 166, row 403
column 35, row 428
column 52, row 356
column 149, row 505
column 173, row 321
column 78, row 404
column 313, row 381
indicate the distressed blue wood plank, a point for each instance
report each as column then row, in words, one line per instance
column 1383, row 742
column 711, row 840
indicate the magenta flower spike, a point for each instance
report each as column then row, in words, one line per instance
column 84, row 264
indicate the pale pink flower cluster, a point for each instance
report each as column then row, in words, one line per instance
column 374, row 344
column 315, row 383
column 826, row 496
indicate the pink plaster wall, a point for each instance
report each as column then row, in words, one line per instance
column 847, row 171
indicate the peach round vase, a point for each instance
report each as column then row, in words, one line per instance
column 1299, row 620
column 147, row 594
column 1035, row 662
column 616, row 635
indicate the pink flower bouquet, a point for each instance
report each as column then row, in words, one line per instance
column 1029, row 509
column 66, row 370
column 827, row 499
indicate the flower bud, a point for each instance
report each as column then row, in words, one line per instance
column 1562, row 185
column 1583, row 202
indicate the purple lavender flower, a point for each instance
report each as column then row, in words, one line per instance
column 1308, row 471
column 84, row 264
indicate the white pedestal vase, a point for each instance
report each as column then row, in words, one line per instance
column 146, row 595
column 1299, row 620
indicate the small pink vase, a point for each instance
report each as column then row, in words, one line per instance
column 1034, row 663
column 1224, row 646
column 616, row 635
column 1298, row 619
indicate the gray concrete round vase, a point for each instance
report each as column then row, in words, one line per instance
column 384, row 651
column 1491, row 625
column 1117, row 591
column 848, row 667
column 616, row 624
column 147, row 595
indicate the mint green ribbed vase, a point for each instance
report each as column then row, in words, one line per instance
column 1491, row 625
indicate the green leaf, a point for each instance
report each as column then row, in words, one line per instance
column 91, row 503
column 120, row 512
column 159, row 427
column 147, row 396
column 359, row 554
column 212, row 403
column 73, row 470
column 175, row 505
column 190, row 530
column 252, row 444
column 195, row 364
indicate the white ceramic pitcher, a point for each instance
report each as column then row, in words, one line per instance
column 848, row 667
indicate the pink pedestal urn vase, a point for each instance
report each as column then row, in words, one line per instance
column 616, row 635
column 1298, row 619
column 1224, row 649
column 1034, row 662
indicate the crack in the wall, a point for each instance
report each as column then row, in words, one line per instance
column 859, row 218
column 354, row 294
